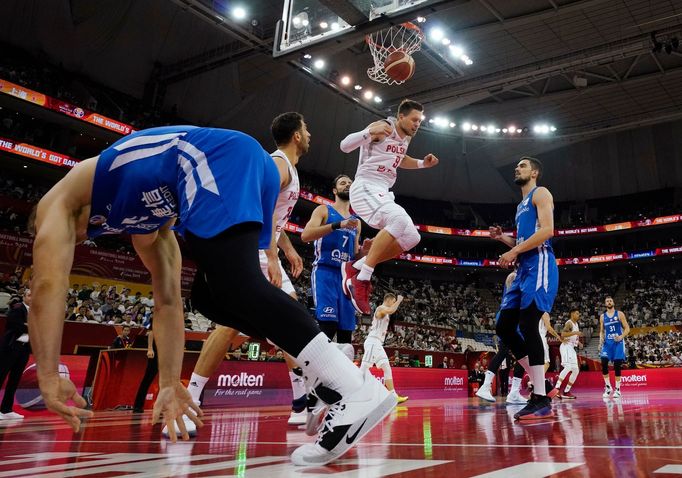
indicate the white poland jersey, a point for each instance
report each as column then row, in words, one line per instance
column 379, row 327
column 379, row 161
column 573, row 339
column 286, row 200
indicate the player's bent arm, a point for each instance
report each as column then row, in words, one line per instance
column 354, row 140
column 160, row 254
column 391, row 310
column 316, row 227
column 544, row 204
column 568, row 331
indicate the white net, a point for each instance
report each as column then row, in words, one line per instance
column 406, row 37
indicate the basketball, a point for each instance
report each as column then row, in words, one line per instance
column 399, row 66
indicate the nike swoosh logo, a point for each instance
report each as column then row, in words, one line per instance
column 351, row 438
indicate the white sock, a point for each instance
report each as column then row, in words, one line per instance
column 196, row 386
column 516, row 385
column 537, row 373
column 562, row 376
column 323, row 360
column 359, row 263
column 366, row 272
column 297, row 385
column 489, row 376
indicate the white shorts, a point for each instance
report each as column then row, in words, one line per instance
column 545, row 346
column 374, row 352
column 287, row 286
column 374, row 204
column 568, row 356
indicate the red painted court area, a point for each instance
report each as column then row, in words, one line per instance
column 638, row 435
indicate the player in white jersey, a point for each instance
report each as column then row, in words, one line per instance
column 383, row 149
column 569, row 359
column 292, row 138
column 374, row 343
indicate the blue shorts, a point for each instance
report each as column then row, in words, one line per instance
column 331, row 305
column 537, row 280
column 613, row 350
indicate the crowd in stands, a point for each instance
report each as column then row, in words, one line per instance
column 654, row 300
column 657, row 349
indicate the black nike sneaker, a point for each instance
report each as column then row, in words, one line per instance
column 539, row 407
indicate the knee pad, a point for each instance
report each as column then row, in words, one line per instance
column 617, row 365
column 386, row 367
column 529, row 320
column 400, row 226
column 605, row 366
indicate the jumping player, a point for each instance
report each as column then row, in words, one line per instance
column 533, row 291
column 222, row 186
column 613, row 328
column 336, row 234
column 383, row 149
column 374, row 343
column 569, row 359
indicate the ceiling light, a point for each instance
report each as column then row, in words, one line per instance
column 335, row 26
column 504, row 130
column 466, row 126
column 324, row 25
column 307, row 56
column 377, row 99
column 484, row 128
column 421, row 19
column 357, row 87
column 431, row 121
column 345, row 80
column 368, row 95
column 452, row 125
column 239, row 13
column 319, row 64
column 491, row 128
column 552, row 129
column 456, row 51
column 445, row 41
column 437, row 34
column 474, row 127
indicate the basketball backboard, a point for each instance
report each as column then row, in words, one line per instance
column 309, row 23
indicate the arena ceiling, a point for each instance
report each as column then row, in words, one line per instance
column 586, row 66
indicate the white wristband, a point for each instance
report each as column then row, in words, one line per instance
column 420, row 163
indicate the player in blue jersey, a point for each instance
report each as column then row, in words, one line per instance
column 221, row 187
column 336, row 234
column 613, row 328
column 533, row 291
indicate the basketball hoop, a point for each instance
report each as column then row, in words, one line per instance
column 406, row 37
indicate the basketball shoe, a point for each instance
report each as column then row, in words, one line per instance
column 347, row 420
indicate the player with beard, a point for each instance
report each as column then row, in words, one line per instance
column 534, row 289
column 383, row 149
column 336, row 233
column 613, row 328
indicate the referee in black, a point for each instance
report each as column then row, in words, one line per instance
column 14, row 353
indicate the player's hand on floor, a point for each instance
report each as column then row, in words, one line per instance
column 56, row 392
column 171, row 404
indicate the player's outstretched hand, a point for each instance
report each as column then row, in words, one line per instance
column 430, row 160
column 56, row 391
column 379, row 130
column 171, row 404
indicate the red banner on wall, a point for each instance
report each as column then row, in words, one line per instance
column 36, row 153
column 54, row 104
